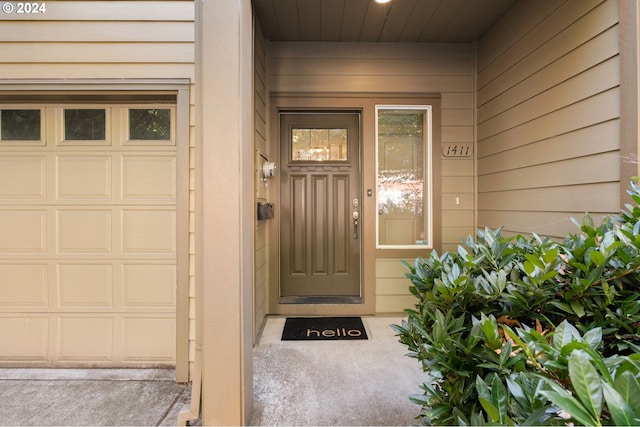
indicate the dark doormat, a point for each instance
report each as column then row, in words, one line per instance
column 323, row 328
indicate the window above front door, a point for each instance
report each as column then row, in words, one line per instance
column 319, row 145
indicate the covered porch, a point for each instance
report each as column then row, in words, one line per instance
column 545, row 94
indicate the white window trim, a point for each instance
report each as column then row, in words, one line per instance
column 428, row 176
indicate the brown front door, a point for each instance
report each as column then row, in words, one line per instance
column 320, row 205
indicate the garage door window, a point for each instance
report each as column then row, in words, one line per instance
column 20, row 125
column 149, row 124
column 85, row 124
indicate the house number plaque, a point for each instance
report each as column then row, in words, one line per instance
column 457, row 150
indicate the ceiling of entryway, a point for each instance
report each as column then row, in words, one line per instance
column 368, row 21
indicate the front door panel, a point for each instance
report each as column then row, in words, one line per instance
column 320, row 185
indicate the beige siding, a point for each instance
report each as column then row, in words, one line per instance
column 192, row 232
column 261, row 280
column 99, row 39
column 96, row 40
column 548, row 116
column 392, row 287
column 446, row 69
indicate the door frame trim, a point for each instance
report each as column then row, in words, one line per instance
column 363, row 102
column 353, row 120
column 327, row 103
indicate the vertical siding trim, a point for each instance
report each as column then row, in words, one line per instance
column 475, row 133
column 629, row 14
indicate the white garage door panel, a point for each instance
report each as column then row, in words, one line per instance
column 84, row 231
column 149, row 286
column 149, row 339
column 23, row 285
column 23, row 177
column 146, row 231
column 88, row 247
column 24, row 338
column 85, row 285
column 84, row 177
column 85, row 338
column 149, row 177
column 23, row 231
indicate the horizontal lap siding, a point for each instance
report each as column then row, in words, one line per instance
column 392, row 287
column 99, row 39
column 446, row 69
column 261, row 260
column 107, row 40
column 548, row 116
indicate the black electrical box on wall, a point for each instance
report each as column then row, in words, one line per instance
column 265, row 211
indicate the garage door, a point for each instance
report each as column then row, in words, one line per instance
column 87, row 235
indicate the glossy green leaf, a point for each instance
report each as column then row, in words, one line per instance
column 550, row 255
column 549, row 275
column 565, row 401
column 564, row 334
column 587, row 222
column 626, row 384
column 490, row 329
column 528, row 267
column 492, row 410
column 499, row 397
column 593, row 337
column 586, row 382
column 597, row 258
column 535, row 261
column 620, row 411
column 535, row 417
column 577, row 308
column 515, row 389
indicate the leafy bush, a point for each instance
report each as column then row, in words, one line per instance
column 490, row 318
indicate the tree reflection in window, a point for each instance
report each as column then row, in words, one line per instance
column 20, row 125
column 401, row 183
column 319, row 145
column 84, row 124
column 149, row 124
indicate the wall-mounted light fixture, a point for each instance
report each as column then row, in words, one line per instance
column 382, row 1
column 268, row 171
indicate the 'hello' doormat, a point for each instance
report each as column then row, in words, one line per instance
column 323, row 328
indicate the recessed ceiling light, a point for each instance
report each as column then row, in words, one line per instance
column 383, row 1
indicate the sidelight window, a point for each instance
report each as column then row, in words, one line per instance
column 404, row 193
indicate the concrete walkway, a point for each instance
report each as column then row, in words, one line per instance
column 338, row 383
column 90, row 397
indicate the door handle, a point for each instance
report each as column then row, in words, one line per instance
column 356, row 216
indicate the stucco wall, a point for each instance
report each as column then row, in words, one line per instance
column 548, row 116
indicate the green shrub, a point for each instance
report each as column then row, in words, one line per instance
column 488, row 316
